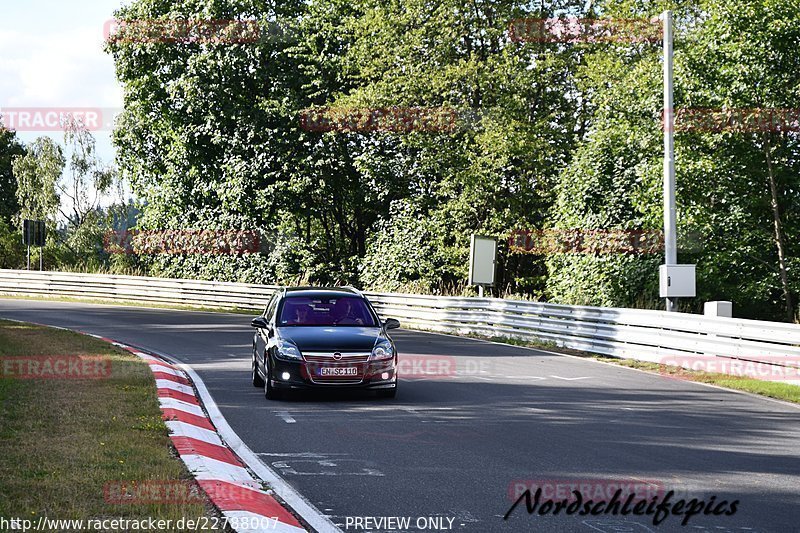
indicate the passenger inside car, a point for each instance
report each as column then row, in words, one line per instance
column 300, row 314
column 344, row 313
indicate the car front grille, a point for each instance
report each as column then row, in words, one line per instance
column 315, row 360
column 328, row 357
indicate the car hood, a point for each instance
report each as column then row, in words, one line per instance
column 331, row 338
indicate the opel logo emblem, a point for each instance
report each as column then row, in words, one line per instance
column 337, row 356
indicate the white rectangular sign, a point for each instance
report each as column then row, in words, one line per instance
column 482, row 257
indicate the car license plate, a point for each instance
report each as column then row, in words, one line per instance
column 338, row 371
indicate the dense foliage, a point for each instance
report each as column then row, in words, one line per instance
column 10, row 147
column 69, row 202
column 563, row 135
column 11, row 249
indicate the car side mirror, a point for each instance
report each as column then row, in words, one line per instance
column 259, row 322
column 391, row 323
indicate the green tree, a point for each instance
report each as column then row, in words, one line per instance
column 89, row 180
column 736, row 190
column 517, row 111
column 37, row 173
column 550, row 134
column 746, row 55
column 209, row 135
column 10, row 147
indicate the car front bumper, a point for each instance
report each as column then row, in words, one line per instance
column 373, row 375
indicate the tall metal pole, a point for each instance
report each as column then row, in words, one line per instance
column 670, row 217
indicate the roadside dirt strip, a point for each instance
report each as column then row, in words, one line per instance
column 219, row 472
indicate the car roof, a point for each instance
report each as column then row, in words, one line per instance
column 292, row 292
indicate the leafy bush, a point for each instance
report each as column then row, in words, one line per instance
column 12, row 251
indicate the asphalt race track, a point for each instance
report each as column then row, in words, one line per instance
column 454, row 445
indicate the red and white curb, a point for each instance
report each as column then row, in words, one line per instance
column 216, row 456
column 217, row 469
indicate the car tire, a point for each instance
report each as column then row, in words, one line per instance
column 269, row 391
column 257, row 380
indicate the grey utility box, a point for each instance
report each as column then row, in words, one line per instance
column 676, row 281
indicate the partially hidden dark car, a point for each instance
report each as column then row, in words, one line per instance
column 318, row 338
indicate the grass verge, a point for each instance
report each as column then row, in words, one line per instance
column 67, row 444
column 771, row 389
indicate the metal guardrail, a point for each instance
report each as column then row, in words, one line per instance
column 136, row 288
column 645, row 335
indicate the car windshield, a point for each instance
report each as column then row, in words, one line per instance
column 325, row 311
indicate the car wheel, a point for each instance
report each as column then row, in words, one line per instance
column 257, row 380
column 269, row 391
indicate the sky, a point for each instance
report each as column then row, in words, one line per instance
column 51, row 56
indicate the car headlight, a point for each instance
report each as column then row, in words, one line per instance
column 287, row 350
column 383, row 350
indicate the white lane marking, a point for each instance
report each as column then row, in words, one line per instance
column 309, row 455
column 538, row 410
column 571, row 379
column 613, row 524
column 366, row 472
column 412, row 410
column 286, row 417
column 325, row 467
column 295, row 500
